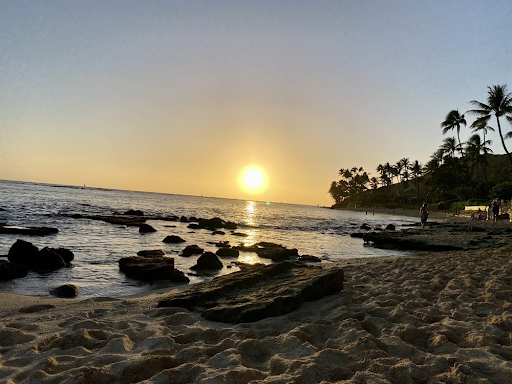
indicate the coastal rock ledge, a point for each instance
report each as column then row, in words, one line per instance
column 258, row 292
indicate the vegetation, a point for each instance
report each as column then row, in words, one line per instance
column 457, row 173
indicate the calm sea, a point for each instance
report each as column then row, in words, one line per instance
column 98, row 245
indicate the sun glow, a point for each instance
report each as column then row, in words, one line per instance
column 253, row 179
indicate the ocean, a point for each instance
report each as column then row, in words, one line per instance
column 98, row 245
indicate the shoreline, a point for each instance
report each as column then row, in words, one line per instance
column 433, row 215
column 417, row 318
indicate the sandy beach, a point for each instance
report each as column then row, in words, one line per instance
column 426, row 318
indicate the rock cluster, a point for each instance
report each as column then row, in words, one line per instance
column 275, row 252
column 151, row 269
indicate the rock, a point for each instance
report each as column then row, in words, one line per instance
column 9, row 271
column 152, row 253
column 310, row 258
column 134, row 212
column 240, row 234
column 214, row 223
column 117, row 220
column 151, row 269
column 47, row 260
column 183, row 219
column 29, row 231
column 365, row 227
column 227, row 252
column 218, row 233
column 173, row 239
column 258, row 292
column 275, row 252
column 66, row 254
column 22, row 252
column 223, row 244
column 192, row 250
column 390, row 227
column 230, row 225
column 208, row 260
column 146, row 228
column 194, row 226
column 66, row 291
column 402, row 241
column 358, row 235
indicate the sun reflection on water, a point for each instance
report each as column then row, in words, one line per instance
column 249, row 258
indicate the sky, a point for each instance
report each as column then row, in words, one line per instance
column 180, row 96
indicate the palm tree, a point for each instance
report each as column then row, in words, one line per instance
column 499, row 103
column 454, row 120
column 480, row 124
column 474, row 148
column 416, row 171
column 449, row 147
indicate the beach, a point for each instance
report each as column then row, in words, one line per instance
column 428, row 318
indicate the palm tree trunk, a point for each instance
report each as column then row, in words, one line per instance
column 502, row 140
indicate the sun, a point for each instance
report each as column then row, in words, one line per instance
column 253, row 179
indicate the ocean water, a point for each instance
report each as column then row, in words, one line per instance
column 98, row 245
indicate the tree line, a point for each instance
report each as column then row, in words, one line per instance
column 456, row 171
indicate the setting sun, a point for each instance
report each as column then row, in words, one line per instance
column 253, row 179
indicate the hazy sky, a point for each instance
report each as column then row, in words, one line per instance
column 179, row 96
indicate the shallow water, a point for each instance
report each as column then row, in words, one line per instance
column 98, row 245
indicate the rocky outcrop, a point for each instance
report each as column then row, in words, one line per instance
column 146, row 228
column 192, row 250
column 173, row 239
column 151, row 269
column 227, row 252
column 29, row 231
column 134, row 212
column 46, row 259
column 134, row 221
column 151, row 253
column 208, row 261
column 258, row 292
column 66, row 291
column 9, row 271
column 275, row 252
column 406, row 242
column 310, row 258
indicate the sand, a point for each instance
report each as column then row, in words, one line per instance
column 427, row 318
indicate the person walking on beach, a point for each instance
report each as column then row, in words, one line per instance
column 423, row 215
column 496, row 209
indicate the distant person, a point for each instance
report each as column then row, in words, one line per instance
column 496, row 209
column 479, row 215
column 424, row 215
column 489, row 212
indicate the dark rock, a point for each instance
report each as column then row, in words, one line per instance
column 173, row 239
column 218, row 233
column 183, row 219
column 214, row 223
column 223, row 244
column 258, row 292
column 400, row 241
column 275, row 252
column 29, row 231
column 9, row 271
column 240, row 234
column 194, row 226
column 227, row 252
column 365, row 227
column 192, row 250
column 151, row 269
column 208, row 260
column 66, row 291
column 390, row 227
column 134, row 212
column 47, row 260
column 146, row 228
column 66, row 254
column 358, row 235
column 152, row 253
column 230, row 225
column 310, row 258
column 22, row 252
